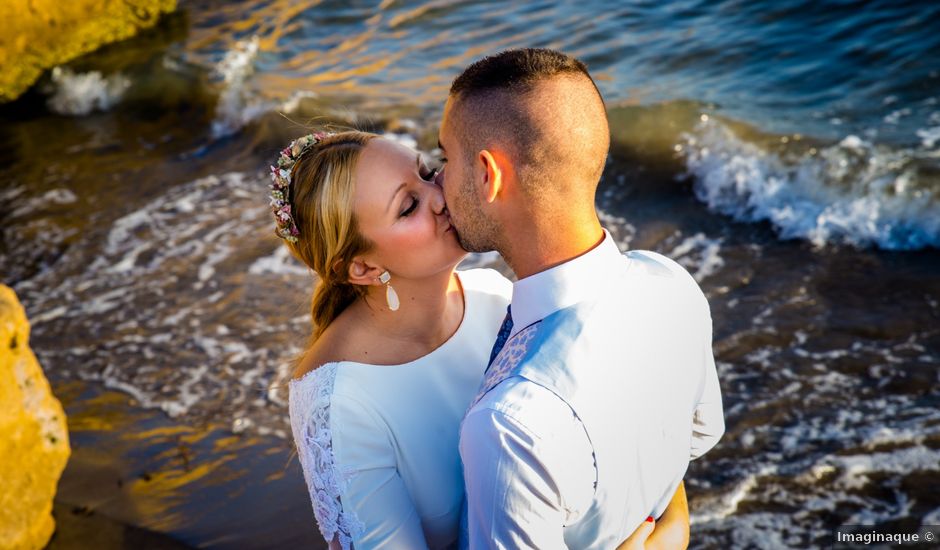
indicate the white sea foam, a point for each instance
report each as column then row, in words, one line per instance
column 12, row 193
column 728, row 504
column 142, row 398
column 895, row 116
column 187, row 323
column 852, row 191
column 59, row 196
column 156, row 232
column 281, row 262
column 52, row 197
column 187, row 393
column 238, row 62
column 699, row 254
column 221, row 252
column 81, row 93
column 620, row 229
column 293, row 102
column 932, row 518
column 835, row 465
column 856, row 471
column 49, row 315
column 236, row 106
column 929, row 137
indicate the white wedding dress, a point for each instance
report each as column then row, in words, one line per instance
column 378, row 443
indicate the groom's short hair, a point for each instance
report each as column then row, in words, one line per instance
column 544, row 108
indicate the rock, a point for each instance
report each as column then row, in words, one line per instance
column 38, row 34
column 34, row 439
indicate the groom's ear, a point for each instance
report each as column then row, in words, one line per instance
column 494, row 168
column 363, row 273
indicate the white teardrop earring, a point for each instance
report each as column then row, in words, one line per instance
column 391, row 297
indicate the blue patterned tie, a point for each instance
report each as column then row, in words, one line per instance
column 502, row 336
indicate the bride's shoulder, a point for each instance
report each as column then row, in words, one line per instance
column 338, row 343
column 312, row 360
column 328, row 349
column 314, row 383
column 486, row 280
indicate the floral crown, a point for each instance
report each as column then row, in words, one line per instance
column 280, row 184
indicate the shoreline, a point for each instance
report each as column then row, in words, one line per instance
column 78, row 528
column 137, row 475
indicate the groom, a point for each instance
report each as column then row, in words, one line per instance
column 602, row 382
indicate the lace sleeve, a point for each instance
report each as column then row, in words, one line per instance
column 310, row 399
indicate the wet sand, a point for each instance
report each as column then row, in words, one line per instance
column 137, row 478
column 77, row 528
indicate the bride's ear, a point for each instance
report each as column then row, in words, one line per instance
column 363, row 273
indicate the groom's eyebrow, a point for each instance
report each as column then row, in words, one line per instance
column 441, row 146
column 403, row 184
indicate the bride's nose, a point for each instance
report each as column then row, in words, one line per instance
column 436, row 200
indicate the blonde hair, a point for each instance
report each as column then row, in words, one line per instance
column 321, row 198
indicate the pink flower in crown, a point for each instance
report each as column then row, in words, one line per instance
column 281, row 180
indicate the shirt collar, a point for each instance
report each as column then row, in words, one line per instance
column 538, row 296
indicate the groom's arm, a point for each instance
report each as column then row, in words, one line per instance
column 528, row 468
column 708, row 420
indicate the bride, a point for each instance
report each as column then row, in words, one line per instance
column 400, row 344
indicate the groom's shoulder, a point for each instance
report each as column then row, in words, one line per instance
column 646, row 263
column 654, row 264
column 654, row 274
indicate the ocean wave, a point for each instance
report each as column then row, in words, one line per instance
column 236, row 106
column 852, row 192
column 824, row 463
column 222, row 348
column 79, row 94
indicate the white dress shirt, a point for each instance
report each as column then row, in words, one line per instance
column 529, row 461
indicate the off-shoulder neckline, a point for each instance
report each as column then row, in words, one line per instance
column 439, row 349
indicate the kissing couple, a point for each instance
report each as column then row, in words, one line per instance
column 437, row 408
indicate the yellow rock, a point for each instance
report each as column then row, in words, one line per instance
column 34, row 439
column 38, row 34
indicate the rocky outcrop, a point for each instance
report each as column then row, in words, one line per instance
column 38, row 34
column 34, row 440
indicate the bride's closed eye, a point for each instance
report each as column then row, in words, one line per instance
column 411, row 208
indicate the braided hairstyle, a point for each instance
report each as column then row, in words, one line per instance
column 321, row 199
